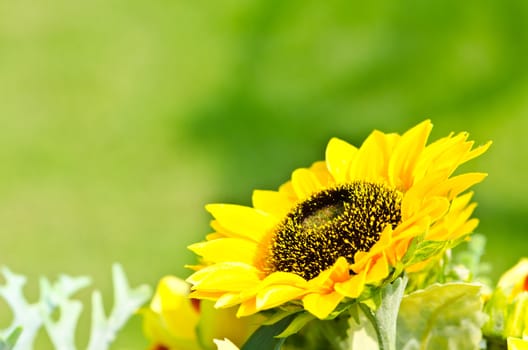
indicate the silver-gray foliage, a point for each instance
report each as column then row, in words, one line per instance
column 29, row 318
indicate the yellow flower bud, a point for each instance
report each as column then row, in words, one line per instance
column 170, row 320
column 508, row 306
column 173, row 321
column 515, row 281
column 517, row 344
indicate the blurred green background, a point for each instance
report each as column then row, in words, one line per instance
column 119, row 120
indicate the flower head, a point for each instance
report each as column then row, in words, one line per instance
column 338, row 226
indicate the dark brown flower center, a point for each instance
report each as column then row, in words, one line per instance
column 336, row 222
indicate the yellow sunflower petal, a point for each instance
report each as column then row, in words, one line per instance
column 414, row 227
column 321, row 305
column 467, row 228
column 275, row 279
column 371, row 161
column 339, row 155
column 215, row 235
column 353, row 287
column 275, row 203
column 477, row 151
column 379, row 271
column 337, row 273
column 340, row 270
column 305, row 183
column 242, row 221
column 246, row 308
column 228, row 300
column 199, row 294
column 434, row 207
column 413, row 198
column 462, row 202
column 456, row 222
column 320, row 170
column 442, row 157
column 276, row 295
column 287, row 190
column 406, row 154
column 226, row 276
column 285, row 278
column 226, row 249
column 458, row 184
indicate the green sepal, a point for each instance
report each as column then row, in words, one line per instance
column 278, row 315
column 341, row 308
column 296, row 324
column 423, row 250
column 265, row 337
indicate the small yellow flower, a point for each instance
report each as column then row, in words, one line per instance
column 339, row 225
column 173, row 321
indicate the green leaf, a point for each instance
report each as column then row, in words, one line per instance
column 265, row 337
column 279, row 315
column 343, row 307
column 297, row 324
column 442, row 316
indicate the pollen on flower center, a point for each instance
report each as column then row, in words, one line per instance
column 336, row 222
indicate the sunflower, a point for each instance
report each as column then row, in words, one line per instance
column 338, row 226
